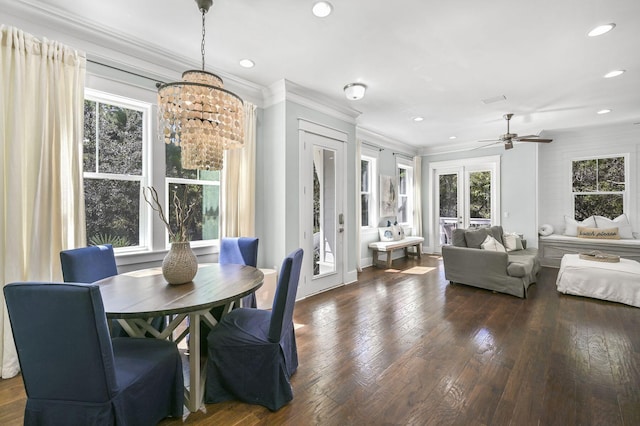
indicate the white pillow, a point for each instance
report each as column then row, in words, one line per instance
column 546, row 229
column 492, row 244
column 571, row 225
column 621, row 222
column 512, row 241
column 386, row 234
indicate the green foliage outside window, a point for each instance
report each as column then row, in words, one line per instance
column 598, row 186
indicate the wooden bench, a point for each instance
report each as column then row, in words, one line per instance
column 389, row 246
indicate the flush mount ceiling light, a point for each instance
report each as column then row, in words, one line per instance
column 199, row 115
column 247, row 63
column 322, row 9
column 601, row 29
column 614, row 73
column 604, row 111
column 355, row 91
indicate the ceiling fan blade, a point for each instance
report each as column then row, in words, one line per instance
column 489, row 140
column 517, row 138
column 535, row 140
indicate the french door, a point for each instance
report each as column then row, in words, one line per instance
column 323, row 218
column 464, row 196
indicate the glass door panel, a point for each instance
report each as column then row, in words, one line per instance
column 479, row 189
column 325, row 217
column 447, row 206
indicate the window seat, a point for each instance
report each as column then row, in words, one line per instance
column 389, row 246
column 551, row 248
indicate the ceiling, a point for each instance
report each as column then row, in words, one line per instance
column 434, row 59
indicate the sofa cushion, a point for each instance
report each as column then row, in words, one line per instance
column 497, row 232
column 457, row 238
column 512, row 241
column 475, row 237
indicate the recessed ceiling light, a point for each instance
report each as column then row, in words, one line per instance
column 602, row 29
column 322, row 9
column 453, row 137
column 418, row 119
column 614, row 73
column 604, row 111
column 247, row 63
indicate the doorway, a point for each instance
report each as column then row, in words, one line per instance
column 323, row 219
column 464, row 195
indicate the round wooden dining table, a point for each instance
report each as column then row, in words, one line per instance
column 135, row 298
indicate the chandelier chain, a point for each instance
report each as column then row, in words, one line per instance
column 203, row 34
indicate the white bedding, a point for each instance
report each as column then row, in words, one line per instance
column 616, row 282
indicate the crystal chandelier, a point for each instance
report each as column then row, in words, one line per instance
column 199, row 115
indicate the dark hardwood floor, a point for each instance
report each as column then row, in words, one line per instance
column 405, row 347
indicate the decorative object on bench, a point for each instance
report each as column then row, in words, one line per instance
column 598, row 256
column 598, row 233
column 545, row 230
column 388, row 247
column 505, row 272
column 615, row 282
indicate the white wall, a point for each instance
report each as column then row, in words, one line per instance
column 555, row 168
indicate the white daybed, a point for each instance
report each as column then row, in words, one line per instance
column 616, row 282
column 551, row 248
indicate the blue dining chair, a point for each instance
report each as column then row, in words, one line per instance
column 252, row 352
column 241, row 251
column 75, row 374
column 91, row 264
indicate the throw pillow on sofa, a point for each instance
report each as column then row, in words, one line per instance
column 621, row 222
column 492, row 244
column 512, row 241
column 571, row 225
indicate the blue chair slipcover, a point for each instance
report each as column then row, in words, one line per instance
column 91, row 264
column 76, row 374
column 252, row 352
column 241, row 251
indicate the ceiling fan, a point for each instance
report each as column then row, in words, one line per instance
column 508, row 138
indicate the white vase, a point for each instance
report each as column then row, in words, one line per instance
column 180, row 264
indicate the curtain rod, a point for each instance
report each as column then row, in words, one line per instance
column 379, row 148
column 402, row 154
column 158, row 82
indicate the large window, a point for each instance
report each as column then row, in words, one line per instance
column 115, row 134
column 599, row 187
column 405, row 193
column 118, row 145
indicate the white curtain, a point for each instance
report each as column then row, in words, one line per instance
column 41, row 126
column 417, row 195
column 239, row 182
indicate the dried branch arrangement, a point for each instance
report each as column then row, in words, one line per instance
column 183, row 213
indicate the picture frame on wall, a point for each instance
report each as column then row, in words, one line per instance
column 388, row 196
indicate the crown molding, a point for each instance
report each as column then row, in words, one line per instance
column 285, row 90
column 385, row 142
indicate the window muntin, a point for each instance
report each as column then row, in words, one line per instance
column 599, row 186
column 115, row 134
